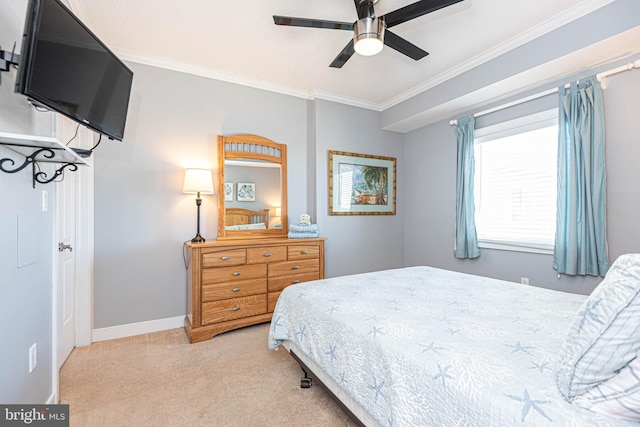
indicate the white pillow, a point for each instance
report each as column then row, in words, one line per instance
column 619, row 396
column 258, row 226
column 604, row 336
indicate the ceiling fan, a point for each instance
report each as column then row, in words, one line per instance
column 369, row 32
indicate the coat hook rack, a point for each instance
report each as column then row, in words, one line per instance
column 32, row 159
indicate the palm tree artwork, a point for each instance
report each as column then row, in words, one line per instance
column 369, row 183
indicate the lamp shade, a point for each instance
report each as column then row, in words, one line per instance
column 278, row 212
column 198, row 181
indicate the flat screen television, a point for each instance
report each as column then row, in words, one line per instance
column 67, row 69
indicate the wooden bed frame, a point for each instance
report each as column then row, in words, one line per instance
column 239, row 216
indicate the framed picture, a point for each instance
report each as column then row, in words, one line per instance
column 246, row 192
column 228, row 191
column 361, row 185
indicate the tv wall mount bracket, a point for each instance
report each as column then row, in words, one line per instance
column 7, row 59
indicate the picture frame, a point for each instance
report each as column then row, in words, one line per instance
column 246, row 191
column 361, row 184
column 228, row 191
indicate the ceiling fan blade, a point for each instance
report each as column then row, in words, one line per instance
column 396, row 42
column 343, row 56
column 312, row 23
column 415, row 10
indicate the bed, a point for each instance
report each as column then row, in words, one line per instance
column 245, row 219
column 421, row 346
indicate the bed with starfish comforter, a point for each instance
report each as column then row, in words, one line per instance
column 421, row 346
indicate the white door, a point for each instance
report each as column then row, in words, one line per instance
column 66, row 214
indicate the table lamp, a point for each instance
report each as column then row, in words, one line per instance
column 198, row 181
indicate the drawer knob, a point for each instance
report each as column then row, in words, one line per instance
column 295, row 267
column 236, row 273
column 236, row 308
column 236, row 289
column 226, row 258
column 267, row 255
column 295, row 281
column 304, row 252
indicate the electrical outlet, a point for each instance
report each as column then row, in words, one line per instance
column 524, row 280
column 33, row 357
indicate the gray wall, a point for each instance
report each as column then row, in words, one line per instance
column 430, row 155
column 357, row 243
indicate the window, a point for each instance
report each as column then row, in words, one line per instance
column 515, row 183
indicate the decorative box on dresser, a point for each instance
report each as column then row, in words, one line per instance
column 236, row 283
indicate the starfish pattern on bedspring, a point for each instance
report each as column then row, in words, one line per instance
column 519, row 347
column 530, row 404
column 331, row 353
column 301, row 332
column 540, row 367
column 276, row 323
column 442, row 374
column 375, row 331
column 343, row 378
column 431, row 347
column 588, row 313
column 377, row 387
column 373, row 317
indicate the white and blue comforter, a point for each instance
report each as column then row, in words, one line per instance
column 421, row 346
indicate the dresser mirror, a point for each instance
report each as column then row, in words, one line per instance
column 252, row 187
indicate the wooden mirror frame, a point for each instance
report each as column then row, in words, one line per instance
column 246, row 146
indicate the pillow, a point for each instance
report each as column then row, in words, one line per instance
column 604, row 336
column 258, row 226
column 618, row 396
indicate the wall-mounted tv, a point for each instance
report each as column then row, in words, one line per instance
column 67, row 69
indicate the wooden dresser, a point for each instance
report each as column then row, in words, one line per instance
column 236, row 283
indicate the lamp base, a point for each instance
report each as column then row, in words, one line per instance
column 198, row 239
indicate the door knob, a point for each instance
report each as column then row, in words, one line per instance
column 62, row 247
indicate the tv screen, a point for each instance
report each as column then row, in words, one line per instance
column 67, row 69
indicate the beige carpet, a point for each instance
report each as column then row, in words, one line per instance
column 160, row 379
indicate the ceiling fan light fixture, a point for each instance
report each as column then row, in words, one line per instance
column 368, row 36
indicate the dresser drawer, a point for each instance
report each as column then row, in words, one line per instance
column 294, row 267
column 225, row 290
column 266, row 254
column 224, row 258
column 303, row 252
column 233, row 274
column 272, row 299
column 279, row 283
column 234, row 308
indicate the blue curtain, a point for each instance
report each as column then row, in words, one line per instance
column 581, row 241
column 466, row 236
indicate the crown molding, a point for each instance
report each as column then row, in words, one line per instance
column 327, row 96
column 210, row 73
column 539, row 30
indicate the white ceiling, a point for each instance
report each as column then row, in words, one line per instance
column 237, row 41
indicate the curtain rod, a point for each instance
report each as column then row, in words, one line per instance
column 602, row 78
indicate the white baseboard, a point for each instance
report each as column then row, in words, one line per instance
column 131, row 329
